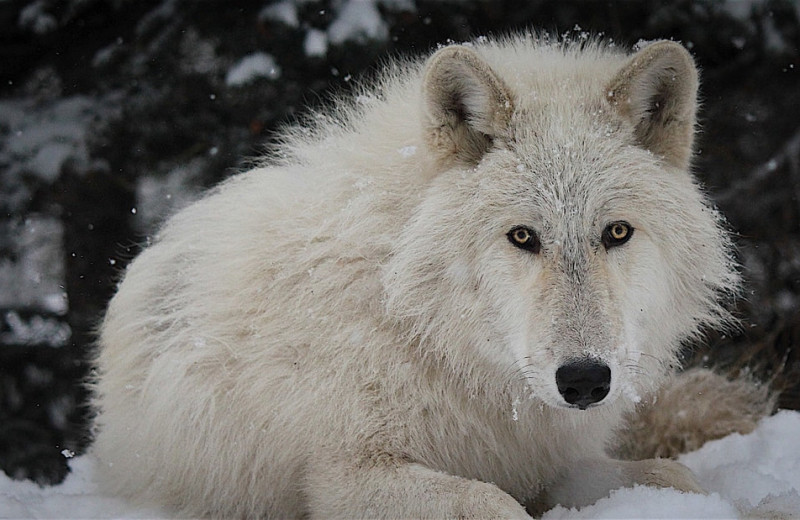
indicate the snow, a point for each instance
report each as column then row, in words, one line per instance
column 353, row 20
column 285, row 12
column 316, row 43
column 41, row 139
column 741, row 9
column 33, row 17
column 77, row 497
column 747, row 476
column 358, row 20
column 198, row 55
column 409, row 6
column 162, row 13
column 754, row 467
column 755, row 475
column 159, row 196
column 251, row 67
column 646, row 502
column 33, row 277
column 38, row 330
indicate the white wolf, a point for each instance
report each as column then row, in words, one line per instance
column 439, row 301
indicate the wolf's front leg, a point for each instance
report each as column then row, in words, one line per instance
column 391, row 489
column 587, row 481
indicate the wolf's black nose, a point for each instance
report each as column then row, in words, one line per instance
column 583, row 382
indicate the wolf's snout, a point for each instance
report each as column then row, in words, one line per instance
column 583, row 382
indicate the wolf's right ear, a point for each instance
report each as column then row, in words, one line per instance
column 466, row 106
column 657, row 92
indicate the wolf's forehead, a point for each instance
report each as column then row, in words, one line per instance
column 569, row 155
column 583, row 119
column 575, row 177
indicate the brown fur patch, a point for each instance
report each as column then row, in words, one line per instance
column 695, row 407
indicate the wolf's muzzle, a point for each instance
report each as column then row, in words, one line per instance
column 583, row 382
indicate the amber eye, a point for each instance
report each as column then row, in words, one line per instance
column 521, row 236
column 616, row 234
column 524, row 238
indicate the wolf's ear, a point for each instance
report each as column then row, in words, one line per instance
column 466, row 105
column 657, row 92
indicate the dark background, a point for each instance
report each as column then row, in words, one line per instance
column 115, row 112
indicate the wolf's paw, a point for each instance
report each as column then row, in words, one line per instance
column 666, row 473
column 487, row 501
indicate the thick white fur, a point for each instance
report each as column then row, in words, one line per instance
column 348, row 332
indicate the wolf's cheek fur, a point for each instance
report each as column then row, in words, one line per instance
column 645, row 304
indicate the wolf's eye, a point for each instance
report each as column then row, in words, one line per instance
column 524, row 238
column 616, row 234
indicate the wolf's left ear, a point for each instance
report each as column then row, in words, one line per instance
column 466, row 105
column 657, row 92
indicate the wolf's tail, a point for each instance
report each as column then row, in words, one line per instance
column 694, row 407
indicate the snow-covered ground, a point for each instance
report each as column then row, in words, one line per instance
column 747, row 476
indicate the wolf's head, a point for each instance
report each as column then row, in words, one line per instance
column 562, row 239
